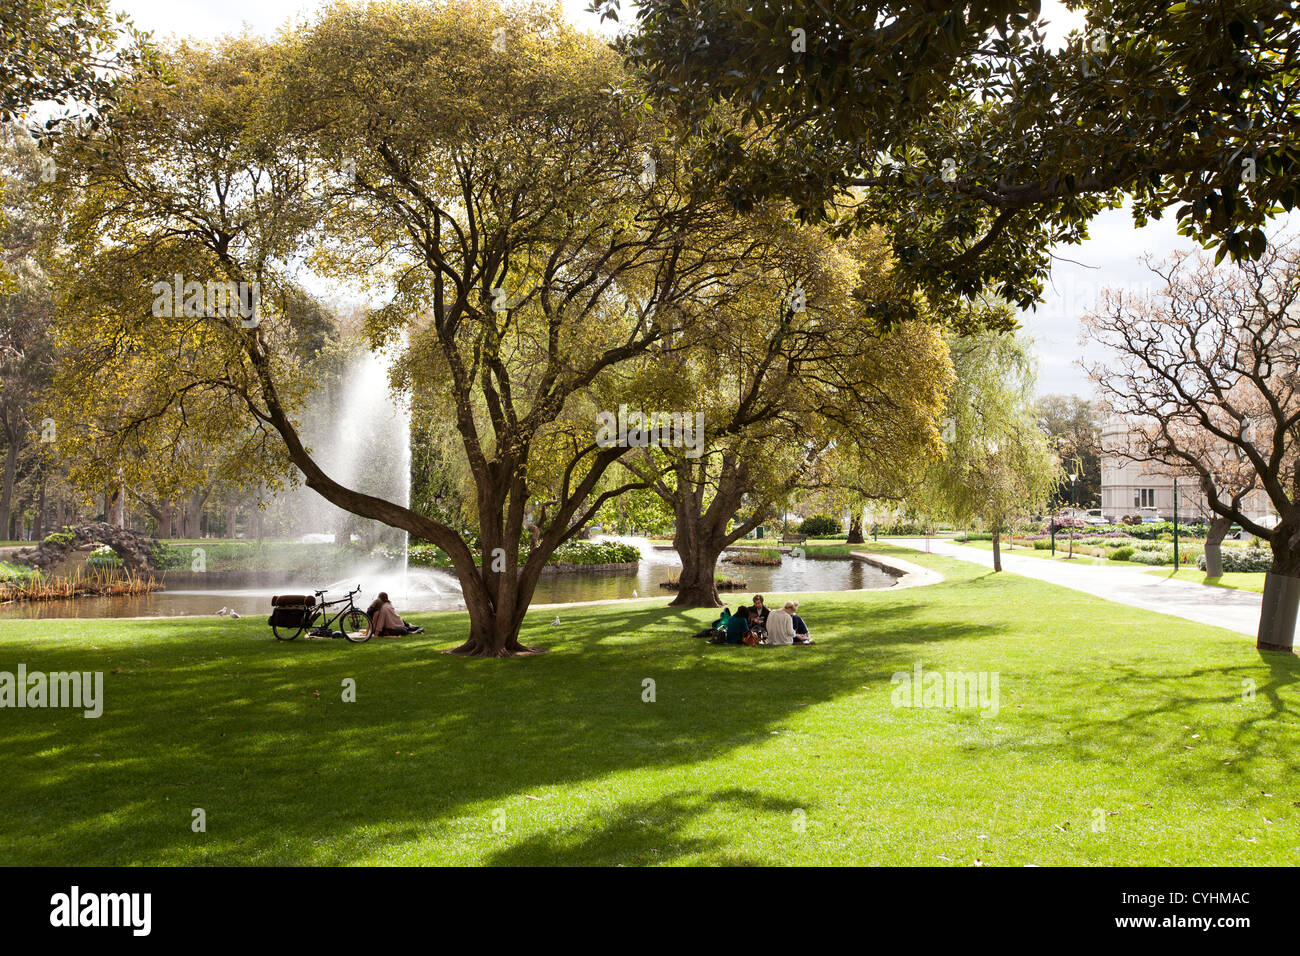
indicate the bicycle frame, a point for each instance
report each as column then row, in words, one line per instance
column 328, row 622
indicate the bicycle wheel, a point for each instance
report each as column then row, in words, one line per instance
column 283, row 633
column 356, row 626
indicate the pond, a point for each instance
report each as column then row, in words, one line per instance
column 425, row 589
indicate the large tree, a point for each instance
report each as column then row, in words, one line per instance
column 523, row 217
column 973, row 141
column 1208, row 370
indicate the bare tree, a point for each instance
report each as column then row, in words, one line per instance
column 1207, row 368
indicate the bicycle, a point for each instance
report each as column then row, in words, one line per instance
column 288, row 620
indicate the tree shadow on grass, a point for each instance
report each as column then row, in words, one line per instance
column 647, row 832
column 217, row 715
column 1172, row 716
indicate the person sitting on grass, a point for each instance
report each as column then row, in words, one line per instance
column 801, row 635
column 737, row 626
column 780, row 627
column 384, row 620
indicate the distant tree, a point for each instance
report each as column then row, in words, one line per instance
column 1000, row 466
column 26, row 305
column 1208, row 370
column 1074, row 426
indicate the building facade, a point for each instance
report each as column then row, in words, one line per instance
column 1147, row 488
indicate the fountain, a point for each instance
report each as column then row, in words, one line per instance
column 369, row 450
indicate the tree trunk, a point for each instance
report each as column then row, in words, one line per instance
column 1214, row 546
column 39, row 532
column 494, row 632
column 1277, row 617
column 698, row 586
column 855, row 528
column 997, row 549
column 699, row 548
column 7, row 495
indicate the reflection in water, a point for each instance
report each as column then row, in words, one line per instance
column 427, row 589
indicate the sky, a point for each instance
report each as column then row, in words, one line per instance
column 1109, row 258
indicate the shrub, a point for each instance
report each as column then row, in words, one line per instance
column 766, row 556
column 595, row 552
column 103, row 557
column 1042, row 545
column 1122, row 553
column 901, row 528
column 1153, row 556
column 1065, row 522
column 817, row 525
column 1243, row 559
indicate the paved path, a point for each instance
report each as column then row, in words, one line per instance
column 1222, row 607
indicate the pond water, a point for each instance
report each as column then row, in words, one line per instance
column 425, row 589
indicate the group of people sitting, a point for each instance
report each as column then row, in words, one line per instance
column 385, row 621
column 757, row 624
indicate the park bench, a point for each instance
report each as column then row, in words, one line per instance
column 793, row 538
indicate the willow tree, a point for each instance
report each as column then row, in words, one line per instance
column 519, row 214
column 999, row 465
column 794, row 372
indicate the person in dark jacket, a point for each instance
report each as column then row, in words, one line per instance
column 738, row 626
column 758, row 615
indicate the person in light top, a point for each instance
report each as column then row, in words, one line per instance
column 781, row 627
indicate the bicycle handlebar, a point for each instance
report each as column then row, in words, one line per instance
column 356, row 590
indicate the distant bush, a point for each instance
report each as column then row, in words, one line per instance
column 595, row 552
column 974, row 536
column 1065, row 522
column 16, row 572
column 768, row 556
column 901, row 528
column 1243, row 559
column 1042, row 545
column 817, row 525
column 1123, row 553
column 1153, row 556
column 103, row 557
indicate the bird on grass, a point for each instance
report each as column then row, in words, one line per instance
column 556, row 622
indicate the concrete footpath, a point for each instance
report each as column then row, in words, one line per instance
column 1206, row 604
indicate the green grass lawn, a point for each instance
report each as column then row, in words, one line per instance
column 1238, row 580
column 748, row 755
